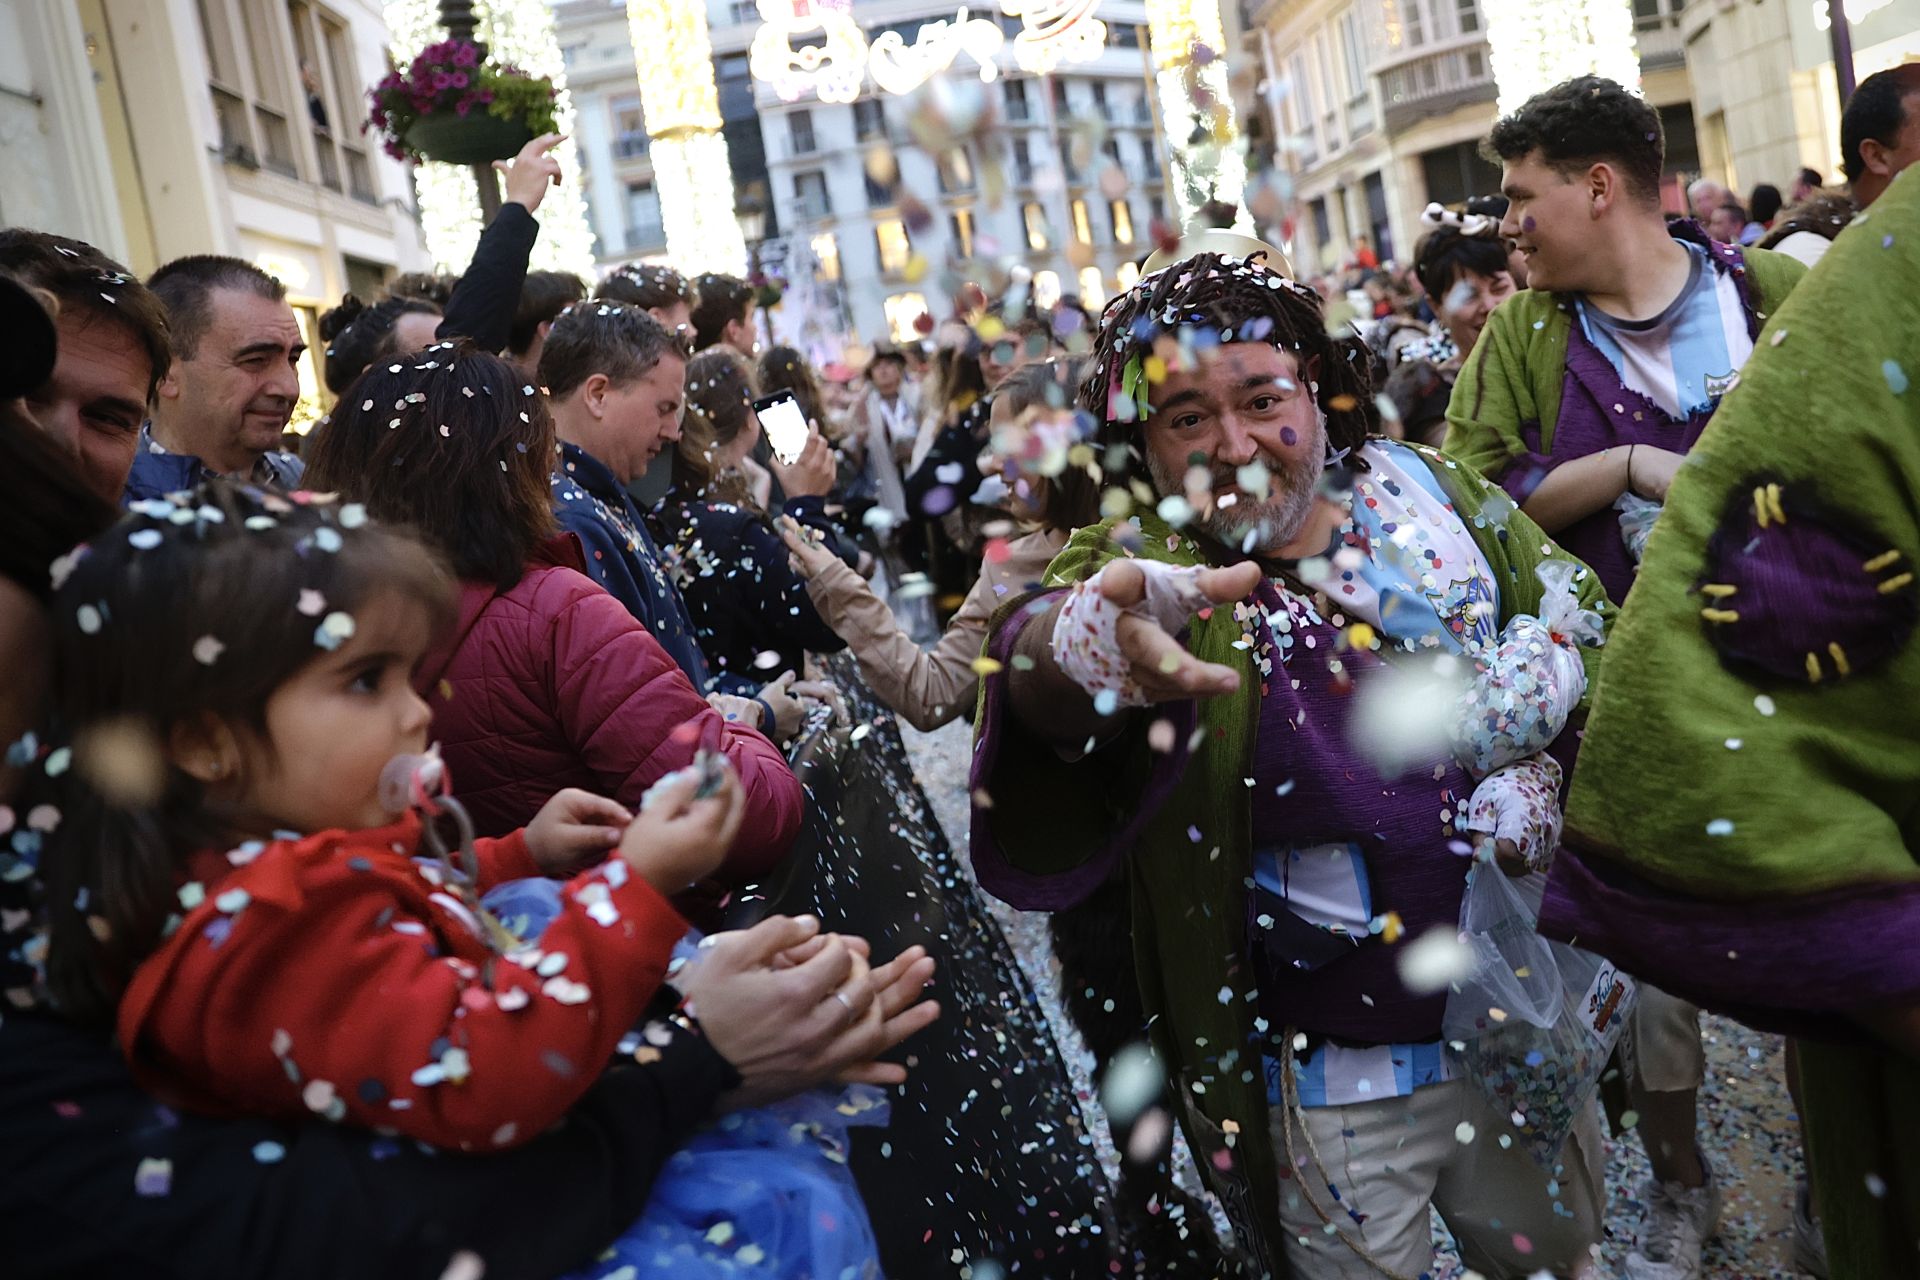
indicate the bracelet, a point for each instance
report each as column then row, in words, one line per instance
column 1630, row 488
column 766, row 715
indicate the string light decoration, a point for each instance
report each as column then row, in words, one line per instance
column 1055, row 31
column 520, row 32
column 1535, row 46
column 1196, row 107
column 832, row 70
column 673, row 54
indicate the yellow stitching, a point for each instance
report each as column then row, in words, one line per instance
column 1720, row 615
column 1718, row 590
column 1839, row 657
column 1773, row 504
column 1760, row 506
column 1892, row 585
column 1885, row 560
column 1813, row 669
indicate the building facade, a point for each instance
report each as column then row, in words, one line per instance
column 1377, row 107
column 157, row 128
column 844, row 199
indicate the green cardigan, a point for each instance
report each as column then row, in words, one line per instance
column 1189, row 922
column 1518, row 368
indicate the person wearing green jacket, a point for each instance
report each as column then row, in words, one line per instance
column 1179, row 707
column 1742, row 827
column 1581, row 400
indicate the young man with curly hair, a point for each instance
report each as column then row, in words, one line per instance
column 1581, row 399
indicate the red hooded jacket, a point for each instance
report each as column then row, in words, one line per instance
column 334, row 975
column 552, row 683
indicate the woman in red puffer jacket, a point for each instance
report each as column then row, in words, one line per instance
column 546, row 681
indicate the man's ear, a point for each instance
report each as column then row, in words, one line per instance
column 1873, row 154
column 205, row 748
column 1312, row 370
column 168, row 388
column 1603, row 189
column 593, row 394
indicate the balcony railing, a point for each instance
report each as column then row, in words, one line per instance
column 1435, row 82
column 812, row 208
column 1659, row 42
column 630, row 145
column 645, row 235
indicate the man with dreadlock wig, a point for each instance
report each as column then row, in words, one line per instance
column 1177, row 706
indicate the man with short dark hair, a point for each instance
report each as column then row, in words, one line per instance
column 1806, row 185
column 543, row 295
column 723, row 313
column 1880, row 130
column 235, row 378
column 1581, row 399
column 661, row 292
column 113, row 350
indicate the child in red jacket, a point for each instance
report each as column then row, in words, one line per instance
column 236, row 671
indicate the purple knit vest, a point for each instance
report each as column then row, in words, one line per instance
column 1333, row 794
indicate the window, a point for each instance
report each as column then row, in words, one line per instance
column 890, row 237
column 962, row 224
column 800, row 131
column 1469, row 12
column 1123, row 35
column 1036, row 219
column 250, row 86
column 1122, row 214
column 1112, row 149
column 1354, row 53
column 869, row 119
column 810, row 194
column 644, row 230
column 1092, row 289
column 1016, row 97
column 826, row 252
column 903, row 309
column 956, row 170
column 1046, row 289
column 1412, row 21
column 880, row 194
column 1082, row 229
column 1060, row 107
column 629, row 126
column 1149, row 163
column 1322, row 229
column 333, row 92
column 1022, row 160
column 1100, row 100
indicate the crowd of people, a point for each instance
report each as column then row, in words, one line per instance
column 476, row 836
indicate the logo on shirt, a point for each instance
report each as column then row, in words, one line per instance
column 1719, row 384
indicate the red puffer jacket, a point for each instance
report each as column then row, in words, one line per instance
column 553, row 684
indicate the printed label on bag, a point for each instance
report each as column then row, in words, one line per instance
column 1604, row 1009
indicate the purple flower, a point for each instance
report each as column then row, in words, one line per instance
column 466, row 56
column 459, row 80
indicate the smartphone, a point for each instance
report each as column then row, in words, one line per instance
column 783, row 424
column 712, row 769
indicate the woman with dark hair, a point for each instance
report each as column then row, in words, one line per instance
column 785, row 369
column 357, row 334
column 546, row 681
column 1463, row 265
column 750, row 610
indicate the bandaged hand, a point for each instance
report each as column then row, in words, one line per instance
column 1529, row 680
column 1116, row 633
column 1519, row 807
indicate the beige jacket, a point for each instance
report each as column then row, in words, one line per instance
column 927, row 687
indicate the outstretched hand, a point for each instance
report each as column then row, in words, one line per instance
column 1157, row 662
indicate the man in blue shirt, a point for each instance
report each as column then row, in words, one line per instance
column 615, row 381
column 233, row 384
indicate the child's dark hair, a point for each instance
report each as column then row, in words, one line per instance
column 357, row 335
column 200, row 605
column 1581, row 122
column 453, row 443
column 1222, row 299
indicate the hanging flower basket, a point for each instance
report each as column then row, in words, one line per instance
column 450, row 105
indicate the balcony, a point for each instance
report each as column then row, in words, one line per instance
column 813, row 207
column 1660, row 42
column 645, row 235
column 1437, row 81
column 630, row 146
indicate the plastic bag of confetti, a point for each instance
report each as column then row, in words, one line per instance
column 1532, row 1029
column 1637, row 515
column 1529, row 679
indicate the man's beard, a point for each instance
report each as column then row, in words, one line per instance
column 1252, row 525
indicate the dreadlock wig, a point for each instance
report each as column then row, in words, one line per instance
column 1176, row 317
